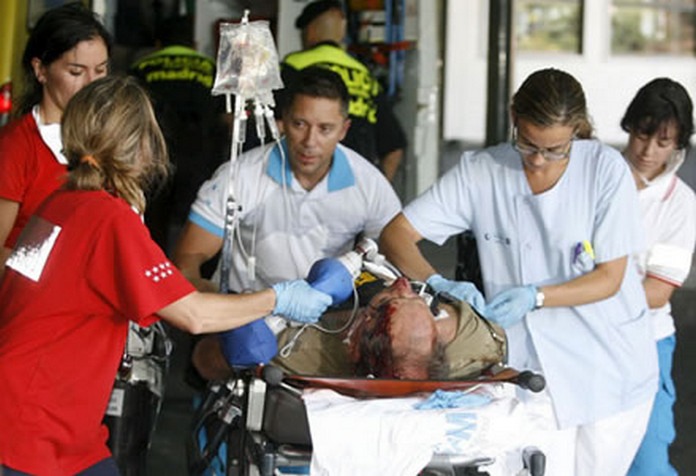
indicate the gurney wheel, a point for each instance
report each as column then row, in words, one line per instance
column 531, row 381
column 534, row 461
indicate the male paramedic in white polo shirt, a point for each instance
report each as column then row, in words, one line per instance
column 301, row 200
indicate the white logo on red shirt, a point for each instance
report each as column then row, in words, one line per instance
column 159, row 272
column 33, row 248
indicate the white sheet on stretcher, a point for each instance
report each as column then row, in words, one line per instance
column 388, row 436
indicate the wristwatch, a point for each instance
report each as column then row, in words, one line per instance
column 539, row 303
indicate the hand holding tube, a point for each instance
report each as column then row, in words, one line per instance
column 510, row 306
column 298, row 301
column 462, row 290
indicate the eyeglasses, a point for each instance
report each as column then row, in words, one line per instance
column 550, row 155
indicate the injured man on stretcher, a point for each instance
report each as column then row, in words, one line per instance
column 399, row 332
column 402, row 332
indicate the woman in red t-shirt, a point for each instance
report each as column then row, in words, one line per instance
column 68, row 48
column 82, row 269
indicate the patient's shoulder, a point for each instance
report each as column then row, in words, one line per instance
column 476, row 345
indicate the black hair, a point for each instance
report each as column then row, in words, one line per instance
column 176, row 30
column 314, row 9
column 317, row 82
column 659, row 102
column 57, row 31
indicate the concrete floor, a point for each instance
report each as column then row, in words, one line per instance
column 168, row 453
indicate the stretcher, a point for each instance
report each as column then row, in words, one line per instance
column 136, row 398
column 260, row 421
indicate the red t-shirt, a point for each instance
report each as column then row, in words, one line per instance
column 29, row 170
column 84, row 266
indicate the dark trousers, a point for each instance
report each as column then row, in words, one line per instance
column 106, row 467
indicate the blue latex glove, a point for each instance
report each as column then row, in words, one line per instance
column 298, row 301
column 452, row 399
column 462, row 290
column 509, row 307
column 249, row 345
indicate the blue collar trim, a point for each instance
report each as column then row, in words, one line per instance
column 340, row 174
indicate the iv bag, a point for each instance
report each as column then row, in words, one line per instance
column 247, row 62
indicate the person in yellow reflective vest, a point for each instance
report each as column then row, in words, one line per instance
column 375, row 131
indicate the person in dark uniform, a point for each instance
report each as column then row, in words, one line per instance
column 180, row 80
column 375, row 131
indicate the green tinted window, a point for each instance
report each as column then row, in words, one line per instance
column 651, row 27
column 547, row 25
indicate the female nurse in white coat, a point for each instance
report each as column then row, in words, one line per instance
column 555, row 217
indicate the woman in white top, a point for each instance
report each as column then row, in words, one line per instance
column 659, row 122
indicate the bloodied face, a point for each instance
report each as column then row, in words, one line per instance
column 395, row 335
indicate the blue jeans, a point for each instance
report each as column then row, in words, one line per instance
column 652, row 458
column 106, row 467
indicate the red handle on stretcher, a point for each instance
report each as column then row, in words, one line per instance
column 371, row 387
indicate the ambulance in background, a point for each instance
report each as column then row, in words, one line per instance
column 13, row 37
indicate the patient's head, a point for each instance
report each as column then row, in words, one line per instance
column 395, row 336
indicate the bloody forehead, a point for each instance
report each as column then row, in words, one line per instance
column 381, row 317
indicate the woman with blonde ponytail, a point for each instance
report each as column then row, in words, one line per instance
column 84, row 267
column 112, row 141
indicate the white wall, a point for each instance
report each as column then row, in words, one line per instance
column 288, row 35
column 208, row 12
column 609, row 82
column 418, row 108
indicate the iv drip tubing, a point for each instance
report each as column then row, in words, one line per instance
column 231, row 204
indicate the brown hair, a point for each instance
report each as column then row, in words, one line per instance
column 551, row 97
column 373, row 353
column 112, row 140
